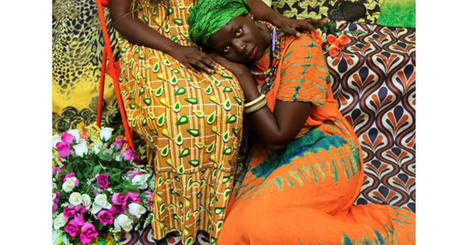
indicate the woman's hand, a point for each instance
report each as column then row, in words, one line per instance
column 295, row 27
column 194, row 59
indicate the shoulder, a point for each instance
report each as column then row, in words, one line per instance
column 299, row 46
column 305, row 41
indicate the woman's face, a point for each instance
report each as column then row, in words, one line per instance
column 240, row 40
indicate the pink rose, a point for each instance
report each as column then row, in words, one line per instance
column 57, row 197
column 56, row 170
column 79, row 219
column 66, row 138
column 69, row 211
column 63, row 149
column 116, row 209
column 120, row 199
column 72, row 228
column 128, row 154
column 148, row 194
column 72, row 174
column 118, row 143
column 102, row 180
column 134, row 197
column 132, row 173
column 80, row 209
column 105, row 217
column 88, row 232
column 55, row 201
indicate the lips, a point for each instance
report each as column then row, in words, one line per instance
column 252, row 53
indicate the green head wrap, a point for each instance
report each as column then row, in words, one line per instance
column 208, row 16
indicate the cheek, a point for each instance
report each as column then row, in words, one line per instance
column 233, row 56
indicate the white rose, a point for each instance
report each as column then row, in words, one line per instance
column 81, row 149
column 86, row 200
column 141, row 180
column 55, row 139
column 75, row 199
column 68, row 185
column 124, row 222
column 97, row 147
column 136, row 209
column 59, row 221
column 105, row 134
column 75, row 133
column 118, row 158
column 54, row 196
column 100, row 202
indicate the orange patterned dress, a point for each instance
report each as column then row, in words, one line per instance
column 191, row 122
column 305, row 193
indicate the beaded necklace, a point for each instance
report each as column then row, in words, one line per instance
column 274, row 58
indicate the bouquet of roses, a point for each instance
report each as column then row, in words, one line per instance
column 331, row 40
column 98, row 188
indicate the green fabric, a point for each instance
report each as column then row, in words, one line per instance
column 397, row 13
column 208, row 16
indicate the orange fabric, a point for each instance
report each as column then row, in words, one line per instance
column 305, row 193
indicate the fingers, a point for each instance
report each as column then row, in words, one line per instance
column 292, row 31
column 305, row 26
column 315, row 22
column 203, row 67
column 208, row 61
column 192, row 68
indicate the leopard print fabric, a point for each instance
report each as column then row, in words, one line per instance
column 77, row 46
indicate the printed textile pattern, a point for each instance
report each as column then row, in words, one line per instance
column 321, row 8
column 77, row 46
column 373, row 80
column 191, row 122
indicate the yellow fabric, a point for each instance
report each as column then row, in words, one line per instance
column 191, row 122
column 77, row 46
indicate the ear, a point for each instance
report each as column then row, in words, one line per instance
column 249, row 15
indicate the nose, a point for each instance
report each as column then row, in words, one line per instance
column 239, row 45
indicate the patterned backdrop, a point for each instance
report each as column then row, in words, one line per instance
column 301, row 9
column 374, row 82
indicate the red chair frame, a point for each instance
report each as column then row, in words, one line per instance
column 113, row 69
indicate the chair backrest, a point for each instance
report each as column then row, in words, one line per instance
column 105, row 3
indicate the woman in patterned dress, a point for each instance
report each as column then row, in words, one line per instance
column 188, row 111
column 305, row 170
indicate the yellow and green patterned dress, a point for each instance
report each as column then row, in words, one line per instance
column 191, row 122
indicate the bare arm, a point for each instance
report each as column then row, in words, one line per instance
column 277, row 129
column 136, row 31
column 263, row 12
